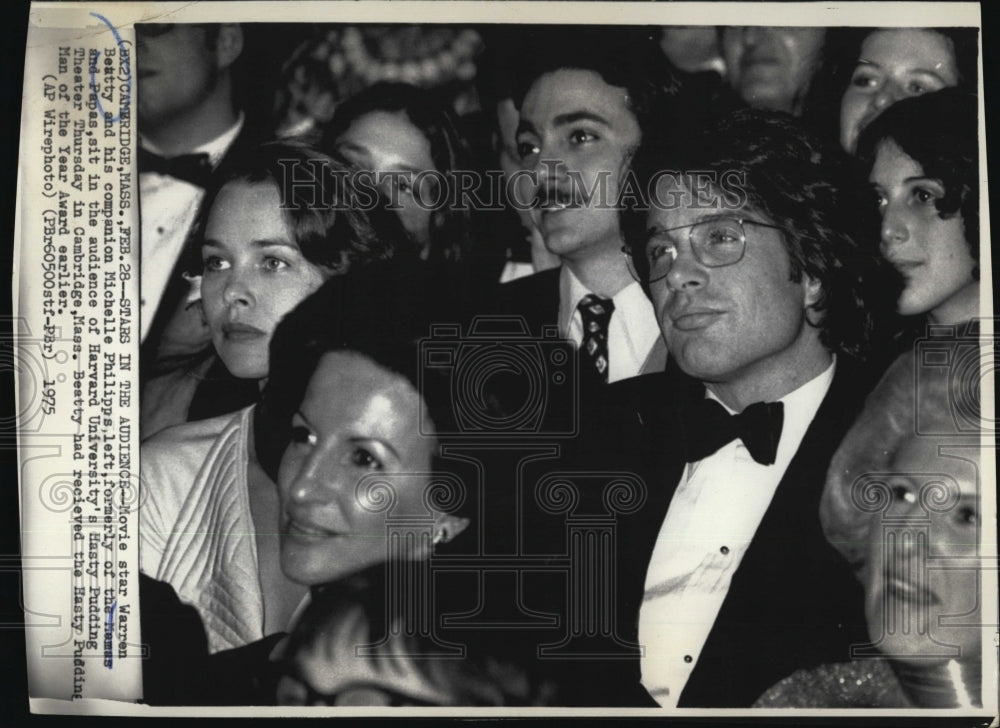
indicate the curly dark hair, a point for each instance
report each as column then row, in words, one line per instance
column 939, row 131
column 801, row 183
column 629, row 58
column 335, row 225
column 450, row 227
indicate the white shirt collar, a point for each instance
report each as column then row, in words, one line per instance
column 630, row 301
column 633, row 330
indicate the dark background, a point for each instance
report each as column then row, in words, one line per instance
column 13, row 679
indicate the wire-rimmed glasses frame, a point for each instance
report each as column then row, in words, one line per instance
column 715, row 243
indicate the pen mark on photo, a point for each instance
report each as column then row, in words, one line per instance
column 127, row 96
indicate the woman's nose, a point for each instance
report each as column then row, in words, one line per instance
column 894, row 230
column 890, row 93
column 239, row 290
column 316, row 481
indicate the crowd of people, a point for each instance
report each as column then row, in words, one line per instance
column 607, row 394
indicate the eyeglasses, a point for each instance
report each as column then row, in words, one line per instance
column 714, row 243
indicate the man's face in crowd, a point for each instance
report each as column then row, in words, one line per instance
column 771, row 68
column 178, row 69
column 733, row 323
column 575, row 130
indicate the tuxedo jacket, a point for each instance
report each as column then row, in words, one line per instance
column 535, row 299
column 793, row 602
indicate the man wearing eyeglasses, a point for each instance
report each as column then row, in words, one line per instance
column 724, row 576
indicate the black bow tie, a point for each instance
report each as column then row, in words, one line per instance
column 708, row 426
column 193, row 168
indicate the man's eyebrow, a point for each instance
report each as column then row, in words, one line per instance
column 705, row 217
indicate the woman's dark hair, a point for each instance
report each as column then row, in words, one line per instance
column 940, row 132
column 383, row 313
column 767, row 162
column 335, row 225
column 450, row 226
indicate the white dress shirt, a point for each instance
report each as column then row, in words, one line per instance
column 168, row 207
column 632, row 331
column 712, row 518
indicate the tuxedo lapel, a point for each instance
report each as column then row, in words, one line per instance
column 657, row 360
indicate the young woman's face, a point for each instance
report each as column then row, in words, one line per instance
column 356, row 444
column 930, row 252
column 389, row 145
column 254, row 274
column 893, row 65
column 922, row 576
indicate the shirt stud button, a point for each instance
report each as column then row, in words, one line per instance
column 688, row 658
column 724, row 550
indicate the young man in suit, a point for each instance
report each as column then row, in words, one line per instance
column 724, row 576
column 584, row 101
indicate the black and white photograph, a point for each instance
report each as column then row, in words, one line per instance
column 479, row 363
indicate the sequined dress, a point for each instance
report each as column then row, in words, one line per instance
column 856, row 684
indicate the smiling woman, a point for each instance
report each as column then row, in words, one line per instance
column 352, row 423
column 898, row 63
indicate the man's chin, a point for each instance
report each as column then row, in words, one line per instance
column 701, row 359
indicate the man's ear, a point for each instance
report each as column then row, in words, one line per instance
column 229, row 45
column 813, row 289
